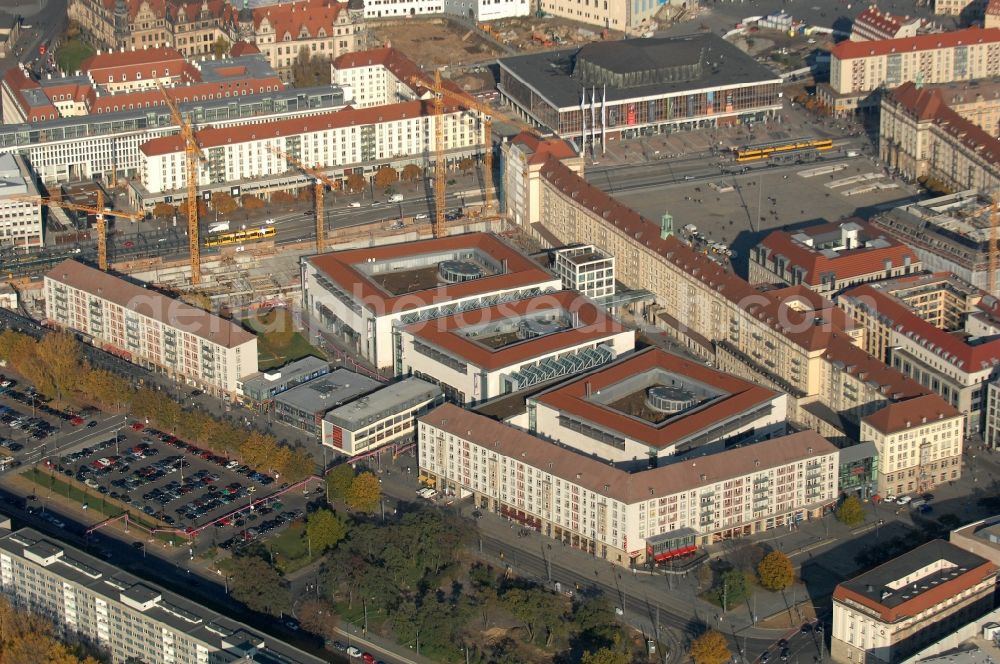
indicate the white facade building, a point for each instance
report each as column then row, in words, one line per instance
column 20, row 221
column 150, row 329
column 587, row 270
column 477, row 10
column 377, row 77
column 627, row 518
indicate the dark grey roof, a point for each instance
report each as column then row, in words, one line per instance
column 550, row 74
column 875, row 584
column 855, row 453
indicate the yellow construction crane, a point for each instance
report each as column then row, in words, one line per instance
column 192, row 153
column 321, row 181
column 99, row 211
column 487, row 113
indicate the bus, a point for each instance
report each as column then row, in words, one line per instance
column 239, row 237
column 765, row 150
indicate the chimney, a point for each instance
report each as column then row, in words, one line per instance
column 588, row 388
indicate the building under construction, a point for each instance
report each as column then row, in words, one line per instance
column 949, row 234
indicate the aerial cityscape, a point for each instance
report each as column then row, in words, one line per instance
column 499, row 332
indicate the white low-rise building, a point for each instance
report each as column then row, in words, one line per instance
column 150, row 329
column 628, row 518
column 480, row 354
column 586, row 269
column 360, row 294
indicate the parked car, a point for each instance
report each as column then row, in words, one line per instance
column 903, row 500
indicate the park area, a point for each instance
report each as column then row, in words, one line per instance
column 278, row 342
column 72, row 53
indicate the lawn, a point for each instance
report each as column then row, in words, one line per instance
column 72, row 53
column 291, row 552
column 278, row 342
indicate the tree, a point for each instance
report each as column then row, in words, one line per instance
column 255, row 583
column 710, row 648
column 317, row 616
column 282, row 198
column 298, row 465
column 9, row 342
column 223, row 203
column 606, row 656
column 324, row 530
column 202, row 209
column 356, row 182
column 386, row 177
column 466, row 164
column 258, row 449
column 164, row 211
column 364, row 494
column 251, row 202
column 412, row 173
column 850, row 512
column 310, row 71
column 732, row 588
column 775, row 571
column 58, row 354
column 338, row 482
column 221, row 47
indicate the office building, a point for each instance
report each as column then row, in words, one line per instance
column 860, row 68
column 919, row 444
column 522, row 158
column 259, row 388
column 131, row 619
column 386, row 416
column 898, row 608
column 304, row 405
column 362, row 294
column 587, row 270
column 20, row 220
column 150, row 329
column 859, row 464
column 830, row 257
column 475, row 355
column 623, row 89
column 636, row 518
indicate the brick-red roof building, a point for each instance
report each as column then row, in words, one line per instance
column 902, row 415
column 303, row 19
column 847, row 50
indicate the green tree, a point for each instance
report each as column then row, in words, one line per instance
column 318, row 617
column 338, row 482
column 710, row 648
column 365, row 493
column 606, row 656
column 732, row 588
column 850, row 511
column 324, row 530
column 310, row 71
column 221, row 47
column 775, row 571
column 298, row 465
column 258, row 585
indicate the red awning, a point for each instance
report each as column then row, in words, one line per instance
column 683, row 551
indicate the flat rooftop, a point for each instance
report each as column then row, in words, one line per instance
column 384, row 402
column 395, row 278
column 692, row 400
column 307, row 365
column 551, row 74
column 327, row 392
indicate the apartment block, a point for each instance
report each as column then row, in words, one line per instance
column 875, row 25
column 628, row 518
column 378, row 76
column 859, row 68
column 475, row 355
column 132, row 619
column 898, row 608
column 523, row 157
column 20, row 220
column 586, row 270
column 361, row 295
column 150, row 329
column 919, row 444
column 829, row 257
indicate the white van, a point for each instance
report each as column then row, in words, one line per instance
column 355, row 204
column 396, row 198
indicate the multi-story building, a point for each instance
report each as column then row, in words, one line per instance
column 585, row 269
column 894, row 610
column 875, row 25
column 829, row 257
column 476, row 10
column 20, row 220
column 955, row 362
column 362, row 294
column 859, row 69
column 355, row 140
column 606, row 90
column 522, row 159
column 647, row 407
column 629, row 518
column 128, row 81
column 304, row 405
column 629, row 17
column 150, row 329
column 259, row 389
column 949, row 233
column 991, row 15
column 919, row 444
column 131, row 619
column 981, row 538
column 107, row 146
column 387, row 416
column 475, row 355
column 991, row 417
column 968, row 9
column 377, row 77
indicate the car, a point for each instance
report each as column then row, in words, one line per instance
column 891, row 498
column 926, row 509
column 198, row 393
column 76, row 421
column 138, row 426
column 421, row 215
column 138, row 545
column 91, row 424
column 765, row 656
column 928, row 497
column 355, row 204
column 292, row 625
column 340, row 646
column 819, row 628
column 354, row 652
column 806, row 628
column 782, row 643
column 784, row 654
column 368, row 657
column 376, row 203
column 14, row 447
column 903, row 500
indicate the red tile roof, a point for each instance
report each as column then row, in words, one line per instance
column 183, row 94
column 929, row 105
column 306, row 17
column 917, row 411
column 144, row 60
column 542, row 149
column 242, row 48
column 844, row 355
column 605, row 479
column 346, row 117
column 572, row 398
column 338, row 266
column 993, row 8
column 949, row 347
column 879, row 22
column 847, row 50
column 446, row 333
column 847, row 264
